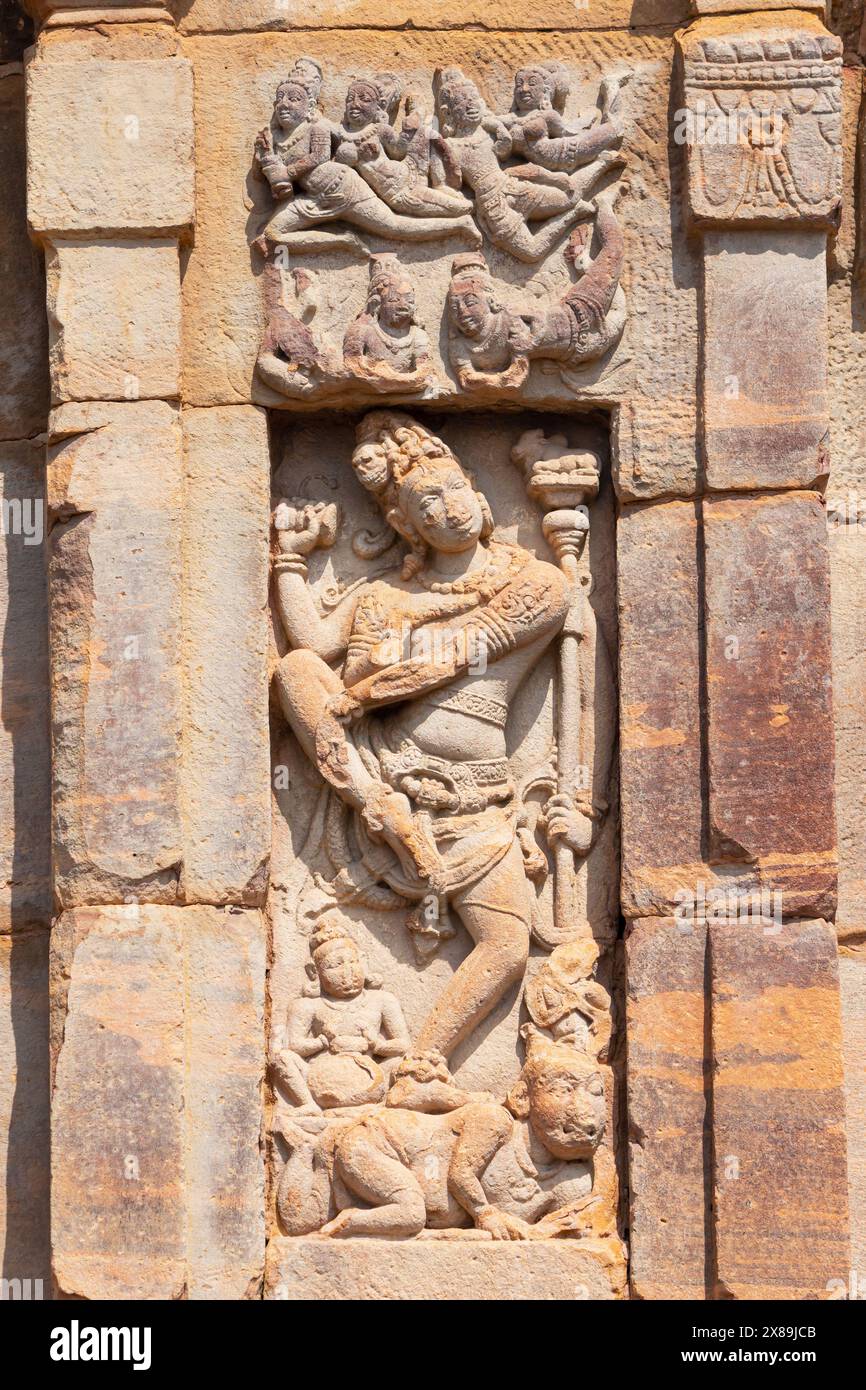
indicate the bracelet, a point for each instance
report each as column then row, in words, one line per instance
column 290, row 564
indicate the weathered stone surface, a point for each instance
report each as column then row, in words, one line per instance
column 764, row 390
column 114, row 491
column 123, row 11
column 660, row 744
column 702, row 7
column 114, row 319
column 852, row 988
column 23, row 327
column 225, row 784
column 770, row 732
column 128, row 146
column 778, row 1111
column 25, row 779
column 667, row 1107
column 221, row 16
column 763, row 134
column 24, row 1109
column 305, row 1270
column 156, row 1180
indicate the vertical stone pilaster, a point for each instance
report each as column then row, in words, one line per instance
column 158, row 1193
column 763, row 200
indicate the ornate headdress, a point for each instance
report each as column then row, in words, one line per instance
column 392, row 448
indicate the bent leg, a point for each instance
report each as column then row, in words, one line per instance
column 370, row 1171
column 496, row 911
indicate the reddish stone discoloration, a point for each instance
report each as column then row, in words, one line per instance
column 770, row 729
column 157, row 1182
column 667, row 1108
column 778, row 1111
column 765, row 403
column 660, row 750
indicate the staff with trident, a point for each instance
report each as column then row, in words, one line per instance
column 563, row 481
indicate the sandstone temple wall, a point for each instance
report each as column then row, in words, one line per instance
column 174, row 404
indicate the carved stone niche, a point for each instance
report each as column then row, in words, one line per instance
column 445, row 875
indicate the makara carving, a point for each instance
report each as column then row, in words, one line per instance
column 399, row 688
column 408, row 172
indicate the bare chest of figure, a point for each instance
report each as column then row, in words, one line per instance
column 462, row 718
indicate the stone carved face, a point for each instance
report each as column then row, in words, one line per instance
column 443, row 508
column 363, row 106
column 561, row 1093
column 460, row 108
column 531, row 90
column 293, row 105
column 340, row 969
column 470, row 308
column 397, row 305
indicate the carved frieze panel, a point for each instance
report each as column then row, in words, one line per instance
column 445, row 877
column 418, row 243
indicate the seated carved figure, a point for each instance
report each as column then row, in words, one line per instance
column 537, row 126
column 294, row 155
column 435, row 1156
column 396, row 164
column 335, row 1042
column 486, row 342
column 385, row 347
column 413, row 742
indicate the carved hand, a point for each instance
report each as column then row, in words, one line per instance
column 569, row 824
column 303, row 526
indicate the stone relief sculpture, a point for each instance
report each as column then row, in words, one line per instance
column 766, row 125
column 398, row 689
column 386, row 347
column 387, row 170
column 438, row 676
column 310, row 187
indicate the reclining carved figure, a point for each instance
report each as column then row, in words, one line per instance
column 426, row 1158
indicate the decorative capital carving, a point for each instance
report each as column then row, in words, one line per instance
column 761, row 121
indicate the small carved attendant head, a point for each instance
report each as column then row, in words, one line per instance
column 338, row 962
column 560, row 1092
column 371, row 100
column 390, row 295
column 472, row 299
column 459, row 104
column 298, row 96
column 539, row 88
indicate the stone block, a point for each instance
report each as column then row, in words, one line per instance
column 226, row 756
column 778, row 1111
column 765, row 388
column 24, row 1112
column 114, row 317
column 761, row 125
column 770, row 714
column 114, row 493
column 23, row 326
column 309, row 1269
column 852, row 987
column 660, row 734
column 127, row 162
column 667, row 1108
column 157, row 1183
column 25, row 754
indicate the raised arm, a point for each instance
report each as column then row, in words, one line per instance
column 301, row 527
